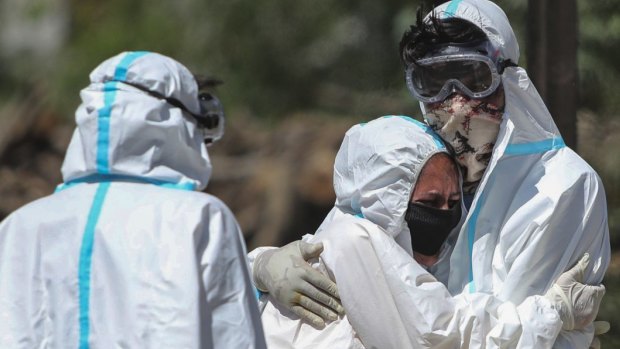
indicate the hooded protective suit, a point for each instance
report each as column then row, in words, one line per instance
column 126, row 253
column 390, row 301
column 539, row 206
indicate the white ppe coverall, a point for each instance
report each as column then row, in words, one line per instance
column 390, row 301
column 126, row 253
column 539, row 206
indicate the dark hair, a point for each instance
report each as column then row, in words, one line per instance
column 207, row 82
column 423, row 36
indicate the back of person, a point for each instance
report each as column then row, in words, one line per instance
column 126, row 254
column 147, row 252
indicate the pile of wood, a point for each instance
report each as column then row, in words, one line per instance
column 32, row 146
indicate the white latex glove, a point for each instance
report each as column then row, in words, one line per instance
column 286, row 275
column 600, row 327
column 576, row 302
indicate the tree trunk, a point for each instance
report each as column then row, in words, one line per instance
column 552, row 60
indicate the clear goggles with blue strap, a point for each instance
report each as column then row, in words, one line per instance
column 454, row 68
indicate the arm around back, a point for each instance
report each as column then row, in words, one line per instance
column 392, row 302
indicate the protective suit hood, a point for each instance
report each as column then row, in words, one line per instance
column 125, row 132
column 377, row 167
column 526, row 118
column 490, row 18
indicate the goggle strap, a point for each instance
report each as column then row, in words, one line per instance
column 210, row 120
column 172, row 101
column 503, row 64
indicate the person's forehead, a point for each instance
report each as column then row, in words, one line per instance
column 439, row 163
column 438, row 172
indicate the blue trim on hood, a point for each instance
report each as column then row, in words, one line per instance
column 104, row 114
column 120, row 74
column 452, row 8
column 427, row 129
column 103, row 131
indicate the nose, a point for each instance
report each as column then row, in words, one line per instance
column 460, row 94
column 445, row 205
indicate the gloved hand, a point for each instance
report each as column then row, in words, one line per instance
column 600, row 327
column 576, row 302
column 285, row 274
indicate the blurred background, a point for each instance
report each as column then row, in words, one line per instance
column 297, row 75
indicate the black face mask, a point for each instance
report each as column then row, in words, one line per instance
column 430, row 226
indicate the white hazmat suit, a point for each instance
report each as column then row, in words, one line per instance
column 126, row 253
column 539, row 206
column 390, row 301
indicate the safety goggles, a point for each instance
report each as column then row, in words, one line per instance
column 211, row 118
column 454, row 69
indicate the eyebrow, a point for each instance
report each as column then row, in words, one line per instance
column 434, row 194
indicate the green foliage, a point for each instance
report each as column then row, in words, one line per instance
column 278, row 55
column 36, row 9
column 275, row 56
column 103, row 29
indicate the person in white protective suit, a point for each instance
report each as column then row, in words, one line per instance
column 393, row 210
column 533, row 210
column 127, row 253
